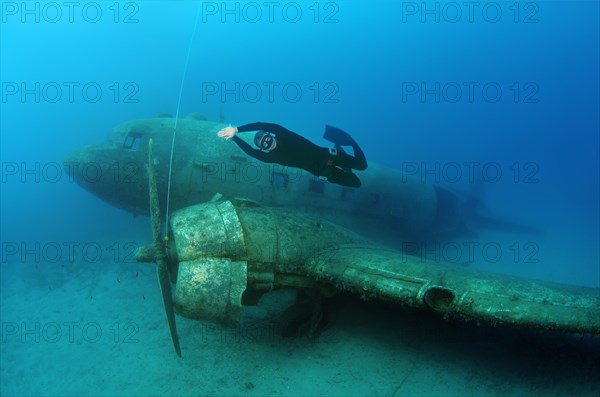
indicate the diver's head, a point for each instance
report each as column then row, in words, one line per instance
column 265, row 140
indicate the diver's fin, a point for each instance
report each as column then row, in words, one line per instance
column 337, row 136
column 339, row 148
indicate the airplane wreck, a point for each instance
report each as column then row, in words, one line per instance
column 240, row 229
column 387, row 202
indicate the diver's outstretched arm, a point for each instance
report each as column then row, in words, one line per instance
column 262, row 126
column 249, row 150
column 230, row 133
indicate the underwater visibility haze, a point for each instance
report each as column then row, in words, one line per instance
column 480, row 123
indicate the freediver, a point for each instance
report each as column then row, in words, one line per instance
column 277, row 144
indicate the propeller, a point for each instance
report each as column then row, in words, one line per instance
column 160, row 256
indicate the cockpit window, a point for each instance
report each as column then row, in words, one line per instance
column 133, row 141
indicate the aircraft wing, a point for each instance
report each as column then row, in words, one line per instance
column 457, row 291
column 227, row 250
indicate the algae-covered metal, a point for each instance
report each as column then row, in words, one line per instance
column 458, row 292
column 391, row 206
column 223, row 249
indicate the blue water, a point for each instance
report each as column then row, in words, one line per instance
column 504, row 94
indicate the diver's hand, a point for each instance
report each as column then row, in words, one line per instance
column 228, row 132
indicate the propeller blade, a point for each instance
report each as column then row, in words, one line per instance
column 165, row 288
column 162, row 270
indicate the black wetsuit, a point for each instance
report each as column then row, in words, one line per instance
column 292, row 150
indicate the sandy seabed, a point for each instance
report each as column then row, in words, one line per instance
column 99, row 330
